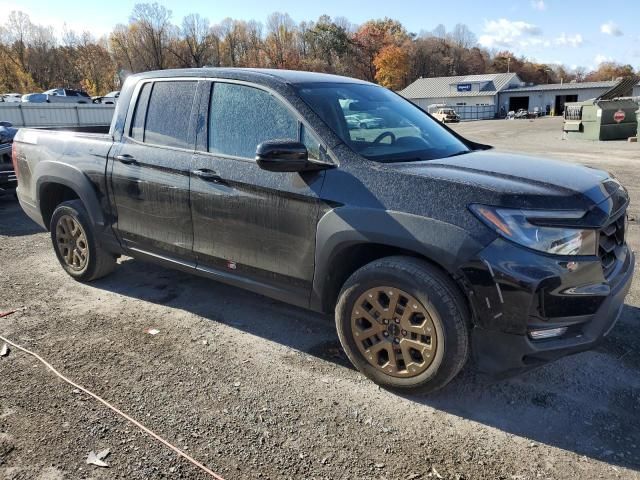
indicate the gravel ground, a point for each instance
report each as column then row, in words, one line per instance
column 255, row 388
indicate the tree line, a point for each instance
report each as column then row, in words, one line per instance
column 33, row 58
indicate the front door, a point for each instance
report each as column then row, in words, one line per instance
column 247, row 221
column 150, row 171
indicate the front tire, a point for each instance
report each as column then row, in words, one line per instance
column 403, row 323
column 75, row 243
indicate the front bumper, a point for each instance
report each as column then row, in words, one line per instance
column 513, row 291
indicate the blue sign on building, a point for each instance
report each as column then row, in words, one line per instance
column 464, row 87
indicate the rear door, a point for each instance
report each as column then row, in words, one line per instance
column 248, row 221
column 150, row 171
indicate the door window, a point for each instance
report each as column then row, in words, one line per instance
column 169, row 113
column 137, row 123
column 242, row 117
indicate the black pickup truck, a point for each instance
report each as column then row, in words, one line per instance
column 426, row 246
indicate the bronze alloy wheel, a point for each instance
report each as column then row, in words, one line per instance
column 394, row 332
column 72, row 242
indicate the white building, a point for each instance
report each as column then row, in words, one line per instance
column 550, row 98
column 473, row 96
column 484, row 96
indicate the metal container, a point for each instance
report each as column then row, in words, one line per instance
column 608, row 117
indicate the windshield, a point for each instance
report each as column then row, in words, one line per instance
column 378, row 124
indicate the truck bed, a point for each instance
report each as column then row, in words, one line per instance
column 63, row 155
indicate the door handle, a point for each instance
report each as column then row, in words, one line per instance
column 126, row 159
column 206, row 174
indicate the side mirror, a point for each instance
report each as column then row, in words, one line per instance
column 282, row 156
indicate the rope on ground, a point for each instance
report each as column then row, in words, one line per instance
column 111, row 407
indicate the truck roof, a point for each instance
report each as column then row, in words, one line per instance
column 252, row 74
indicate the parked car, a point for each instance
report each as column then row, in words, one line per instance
column 35, row 98
column 7, row 174
column 427, row 247
column 11, row 97
column 446, row 115
column 66, row 95
column 363, row 121
column 110, row 98
column 522, row 113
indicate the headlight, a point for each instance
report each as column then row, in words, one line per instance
column 517, row 226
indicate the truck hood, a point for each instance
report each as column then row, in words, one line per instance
column 520, row 181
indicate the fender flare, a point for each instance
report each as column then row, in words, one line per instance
column 55, row 172
column 445, row 244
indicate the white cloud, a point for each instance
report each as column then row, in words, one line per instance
column 538, row 5
column 569, row 40
column 505, row 33
column 610, row 28
column 599, row 58
column 534, row 42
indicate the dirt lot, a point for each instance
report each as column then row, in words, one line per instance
column 257, row 389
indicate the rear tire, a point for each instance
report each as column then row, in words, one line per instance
column 403, row 323
column 75, row 243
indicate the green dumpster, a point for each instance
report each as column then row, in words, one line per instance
column 611, row 116
column 601, row 119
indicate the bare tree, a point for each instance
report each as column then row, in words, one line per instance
column 154, row 24
column 199, row 39
column 280, row 43
column 16, row 37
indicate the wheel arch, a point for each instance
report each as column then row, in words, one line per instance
column 58, row 183
column 348, row 239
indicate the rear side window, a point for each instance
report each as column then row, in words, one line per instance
column 137, row 123
column 242, row 117
column 169, row 113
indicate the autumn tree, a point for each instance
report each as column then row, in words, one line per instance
column 609, row 71
column 392, row 67
column 95, row 67
column 33, row 57
column 371, row 38
column 326, row 44
column 282, row 41
column 13, row 78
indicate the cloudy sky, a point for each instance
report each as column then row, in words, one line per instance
column 554, row 31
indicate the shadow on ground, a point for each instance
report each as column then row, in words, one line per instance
column 588, row 403
column 14, row 223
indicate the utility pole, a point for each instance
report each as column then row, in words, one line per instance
column 508, row 64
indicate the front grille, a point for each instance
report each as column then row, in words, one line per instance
column 611, row 237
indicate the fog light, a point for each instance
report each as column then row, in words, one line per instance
column 547, row 333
